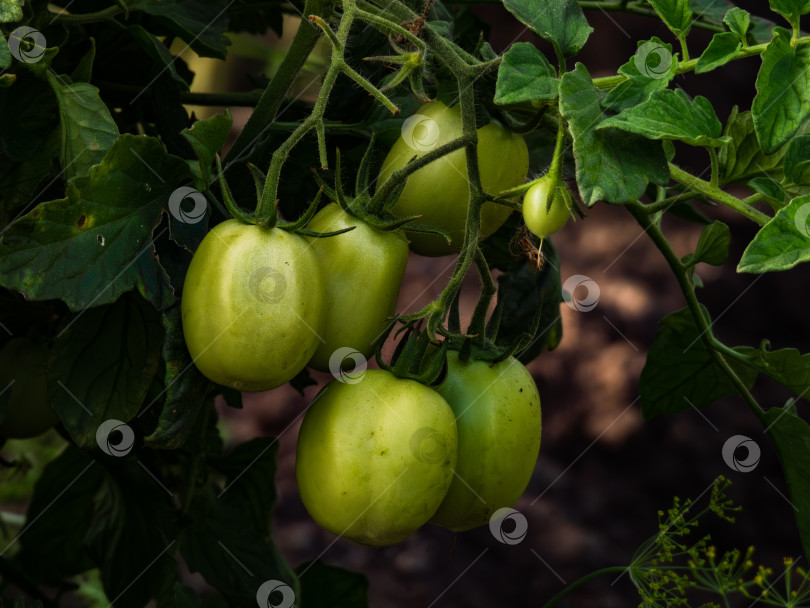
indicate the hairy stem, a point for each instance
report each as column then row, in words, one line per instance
column 270, row 101
column 80, row 18
column 715, row 193
column 608, row 82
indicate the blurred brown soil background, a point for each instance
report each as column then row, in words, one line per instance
column 603, row 471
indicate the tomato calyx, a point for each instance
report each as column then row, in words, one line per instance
column 417, row 355
column 361, row 204
column 412, row 68
column 273, row 220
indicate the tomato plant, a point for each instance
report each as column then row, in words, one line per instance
column 171, row 240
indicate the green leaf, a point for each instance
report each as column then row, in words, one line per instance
column 611, row 165
column 742, row 157
column 250, row 469
column 561, row 22
column 680, row 373
column 325, row 586
column 223, row 545
column 714, row 12
column 797, row 161
column 650, row 69
column 738, row 22
column 525, row 75
column 670, row 114
column 83, row 72
column 88, row 130
column 162, row 59
column 200, row 23
column 676, row 14
column 207, row 138
column 782, row 103
column 523, row 292
column 771, row 189
column 63, row 496
column 106, row 222
column 781, row 243
column 186, row 387
column 790, row 9
column 11, row 11
column 722, row 49
column 131, row 534
column 5, row 54
column 102, row 365
column 712, row 247
column 791, row 435
column 787, row 366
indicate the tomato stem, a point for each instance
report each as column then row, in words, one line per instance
column 708, row 338
column 276, row 92
column 714, row 192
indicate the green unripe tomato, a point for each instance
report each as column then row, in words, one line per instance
column 541, row 220
column 497, row 410
column 439, row 192
column 375, row 457
column 252, row 306
column 27, row 411
column 362, row 271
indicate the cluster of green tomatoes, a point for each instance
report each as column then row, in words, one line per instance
column 378, row 455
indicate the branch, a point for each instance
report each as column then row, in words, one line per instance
column 708, row 190
column 706, row 335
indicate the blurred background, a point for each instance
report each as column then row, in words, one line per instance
column 603, row 472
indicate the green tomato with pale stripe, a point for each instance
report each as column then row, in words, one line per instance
column 497, row 410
